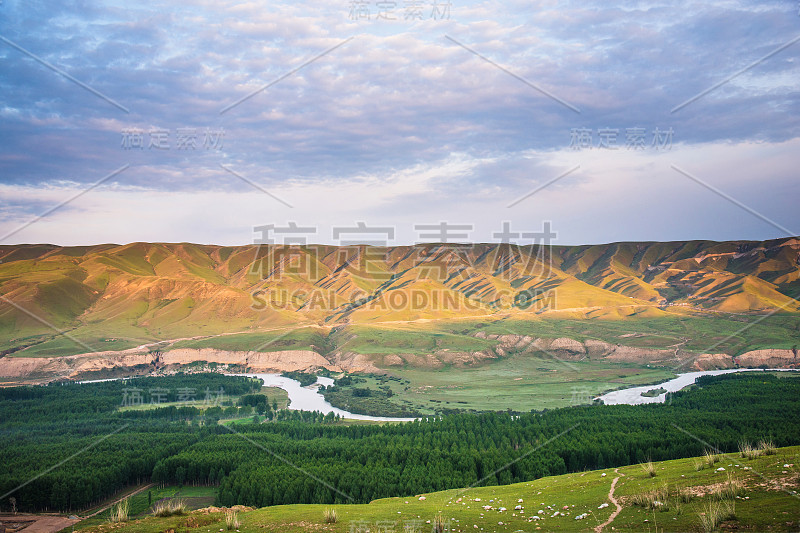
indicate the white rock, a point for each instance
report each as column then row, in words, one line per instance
column 603, row 474
column 720, row 469
column 422, row 498
column 518, row 508
column 603, row 506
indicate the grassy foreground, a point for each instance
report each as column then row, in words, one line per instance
column 754, row 494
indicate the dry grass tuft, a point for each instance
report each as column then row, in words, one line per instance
column 438, row 524
column 649, row 468
column 232, row 519
column 172, row 507
column 730, row 489
column 657, row 498
column 710, row 458
column 330, row 516
column 714, row 513
column 767, row 447
column 748, row 451
column 120, row 510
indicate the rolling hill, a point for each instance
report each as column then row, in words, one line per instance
column 119, row 297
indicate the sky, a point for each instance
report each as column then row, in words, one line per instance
column 398, row 122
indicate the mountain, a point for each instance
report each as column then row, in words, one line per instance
column 125, row 294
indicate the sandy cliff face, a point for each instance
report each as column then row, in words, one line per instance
column 770, row 358
column 73, row 366
column 47, row 368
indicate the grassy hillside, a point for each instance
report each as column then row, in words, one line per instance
column 121, row 296
column 756, row 494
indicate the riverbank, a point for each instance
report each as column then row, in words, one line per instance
column 310, row 399
column 634, row 395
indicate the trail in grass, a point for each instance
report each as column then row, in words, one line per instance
column 611, row 497
column 135, row 492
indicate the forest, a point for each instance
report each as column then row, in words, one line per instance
column 100, row 448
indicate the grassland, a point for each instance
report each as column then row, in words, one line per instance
column 142, row 502
column 305, row 338
column 693, row 332
column 766, row 500
column 520, row 382
column 729, row 333
column 277, row 394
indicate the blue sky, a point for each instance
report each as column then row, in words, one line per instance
column 404, row 115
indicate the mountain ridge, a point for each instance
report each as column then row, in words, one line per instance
column 166, row 290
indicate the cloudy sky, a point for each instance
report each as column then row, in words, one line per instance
column 148, row 121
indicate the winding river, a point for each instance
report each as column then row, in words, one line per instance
column 310, row 399
column 633, row 395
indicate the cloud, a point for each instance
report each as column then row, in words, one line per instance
column 614, row 196
column 399, row 110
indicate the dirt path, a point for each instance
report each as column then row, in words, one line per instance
column 104, row 507
column 39, row 523
column 611, row 497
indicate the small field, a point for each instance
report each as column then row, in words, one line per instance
column 764, row 497
column 142, row 503
column 302, row 338
column 277, row 394
column 520, row 382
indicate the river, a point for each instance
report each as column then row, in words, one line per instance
column 310, row 399
column 633, row 395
